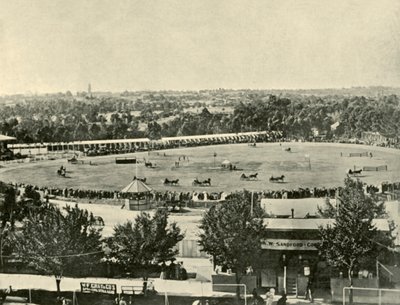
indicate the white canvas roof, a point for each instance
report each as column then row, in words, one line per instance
column 289, row 224
column 6, row 138
column 301, row 207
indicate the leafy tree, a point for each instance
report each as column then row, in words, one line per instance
column 153, row 130
column 7, row 204
column 353, row 239
column 233, row 234
column 141, row 245
column 55, row 241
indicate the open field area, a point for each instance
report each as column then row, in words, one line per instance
column 329, row 164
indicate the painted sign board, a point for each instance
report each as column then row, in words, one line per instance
column 289, row 244
column 98, row 288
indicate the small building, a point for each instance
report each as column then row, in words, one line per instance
column 137, row 195
column 291, row 256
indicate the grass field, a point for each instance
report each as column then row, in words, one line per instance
column 328, row 168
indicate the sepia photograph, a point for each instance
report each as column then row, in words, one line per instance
column 174, row 152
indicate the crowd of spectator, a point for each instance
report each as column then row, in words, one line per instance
column 174, row 198
column 390, row 186
column 314, row 192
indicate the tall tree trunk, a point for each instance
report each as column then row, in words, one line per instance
column 145, row 279
column 58, row 282
column 351, row 284
column 237, row 285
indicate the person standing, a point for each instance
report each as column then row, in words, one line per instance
column 270, row 296
column 309, row 292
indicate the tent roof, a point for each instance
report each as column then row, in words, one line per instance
column 226, row 162
column 136, row 187
column 301, row 207
column 290, row 224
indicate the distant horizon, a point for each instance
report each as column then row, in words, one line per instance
column 74, row 92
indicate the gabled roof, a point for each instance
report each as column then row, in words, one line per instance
column 136, row 187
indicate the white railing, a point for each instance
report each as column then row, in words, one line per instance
column 235, row 285
column 378, row 290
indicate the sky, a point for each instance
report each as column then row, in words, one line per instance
column 54, row 46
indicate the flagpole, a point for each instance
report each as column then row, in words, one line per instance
column 136, row 169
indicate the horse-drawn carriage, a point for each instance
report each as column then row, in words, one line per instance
column 171, row 182
column 354, row 172
column 149, row 164
column 140, row 179
column 251, row 177
column 197, row 182
column 280, row 178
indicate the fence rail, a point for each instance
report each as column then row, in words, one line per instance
column 377, row 296
column 375, row 168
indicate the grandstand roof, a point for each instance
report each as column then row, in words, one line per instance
column 104, row 141
column 89, row 142
column 4, row 138
column 213, row 136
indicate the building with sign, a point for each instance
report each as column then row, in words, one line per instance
column 290, row 253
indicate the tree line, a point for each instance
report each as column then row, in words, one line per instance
column 65, row 119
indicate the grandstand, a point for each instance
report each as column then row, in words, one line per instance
column 131, row 145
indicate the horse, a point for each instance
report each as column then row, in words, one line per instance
column 354, row 172
column 253, row 176
column 277, row 179
column 207, row 182
column 288, row 149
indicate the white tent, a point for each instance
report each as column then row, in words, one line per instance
column 226, row 163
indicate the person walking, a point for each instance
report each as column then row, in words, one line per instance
column 309, row 292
